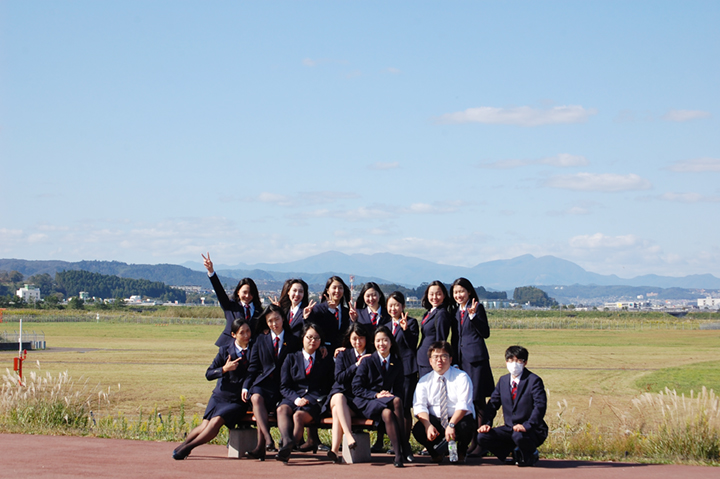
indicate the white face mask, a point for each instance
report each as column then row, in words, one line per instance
column 515, row 368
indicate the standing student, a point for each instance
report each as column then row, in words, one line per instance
column 522, row 396
column 306, row 379
column 332, row 314
column 377, row 387
column 245, row 302
column 262, row 384
column 471, row 353
column 370, row 308
column 294, row 301
column 436, row 323
column 225, row 406
column 347, row 359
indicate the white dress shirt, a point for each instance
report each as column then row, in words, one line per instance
column 459, row 390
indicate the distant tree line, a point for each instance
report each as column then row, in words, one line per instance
column 68, row 284
column 533, row 296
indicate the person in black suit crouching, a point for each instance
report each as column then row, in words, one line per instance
column 522, row 397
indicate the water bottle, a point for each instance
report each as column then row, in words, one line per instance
column 452, row 451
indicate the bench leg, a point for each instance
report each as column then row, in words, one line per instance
column 361, row 453
column 241, row 440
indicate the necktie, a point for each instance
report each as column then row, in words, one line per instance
column 291, row 318
column 243, row 357
column 277, row 346
column 337, row 317
column 308, row 368
column 513, row 391
column 384, row 365
column 247, row 312
column 427, row 316
column 443, row 403
column 462, row 317
column 394, row 328
column 373, row 319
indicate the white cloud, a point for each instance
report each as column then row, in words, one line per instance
column 521, row 116
column 394, row 71
column 607, row 182
column 384, row 166
column 601, row 241
column 302, row 198
column 685, row 115
column 696, row 165
column 563, row 160
column 689, row 198
column 280, row 200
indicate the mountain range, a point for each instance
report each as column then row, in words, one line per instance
column 498, row 275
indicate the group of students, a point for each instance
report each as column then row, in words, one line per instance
column 304, row 360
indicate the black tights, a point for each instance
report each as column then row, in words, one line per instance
column 394, row 421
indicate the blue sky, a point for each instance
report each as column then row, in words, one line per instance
column 457, row 132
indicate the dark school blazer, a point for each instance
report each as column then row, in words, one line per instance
column 229, row 385
column 471, row 335
column 314, row 387
column 264, row 364
column 232, row 310
column 435, row 326
column 325, row 319
column 528, row 408
column 370, row 379
column 407, row 344
column 297, row 323
column 364, row 318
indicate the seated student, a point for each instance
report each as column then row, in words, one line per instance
column 443, row 404
column 262, row 384
column 347, row 360
column 245, row 302
column 522, row 397
column 225, row 406
column 377, row 387
column 306, row 379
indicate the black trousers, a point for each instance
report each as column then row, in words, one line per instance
column 502, row 440
column 464, row 432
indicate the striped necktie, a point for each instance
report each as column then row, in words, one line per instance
column 308, row 368
column 373, row 319
column 443, row 403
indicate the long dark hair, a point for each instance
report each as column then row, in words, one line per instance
column 426, row 303
column 467, row 285
column 360, row 330
column 253, row 291
column 285, row 302
column 345, row 301
column 360, row 301
column 262, row 326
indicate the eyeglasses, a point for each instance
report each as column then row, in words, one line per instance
column 440, row 357
column 312, row 338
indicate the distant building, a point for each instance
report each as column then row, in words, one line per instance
column 84, row 295
column 709, row 302
column 495, row 303
column 29, row 293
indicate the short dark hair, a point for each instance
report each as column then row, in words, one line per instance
column 426, row 302
column 261, row 327
column 307, row 326
column 397, row 296
column 360, row 330
column 386, row 331
column 237, row 324
column 360, row 301
column 517, row 352
column 442, row 345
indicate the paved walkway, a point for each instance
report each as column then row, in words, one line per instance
column 25, row 456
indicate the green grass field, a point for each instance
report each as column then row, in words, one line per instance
column 156, row 364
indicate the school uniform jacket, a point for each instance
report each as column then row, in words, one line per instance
column 407, row 344
column 263, row 363
column 371, row 378
column 435, row 326
column 528, row 408
column 345, row 369
column 314, row 387
column 232, row 310
column 297, row 323
column 469, row 341
column 364, row 318
column 229, row 385
column 325, row 319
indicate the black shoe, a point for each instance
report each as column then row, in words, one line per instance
column 271, row 447
column 334, row 457
column 307, row 447
column 376, row 449
column 256, row 454
column 284, row 452
column 398, row 462
column 437, row 458
column 179, row 456
column 530, row 461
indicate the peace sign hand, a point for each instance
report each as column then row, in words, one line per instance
column 473, row 307
column 353, row 313
column 207, row 263
column 308, row 309
column 403, row 321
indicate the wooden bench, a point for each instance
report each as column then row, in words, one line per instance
column 244, row 437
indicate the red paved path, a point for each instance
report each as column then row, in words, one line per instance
column 24, row 456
